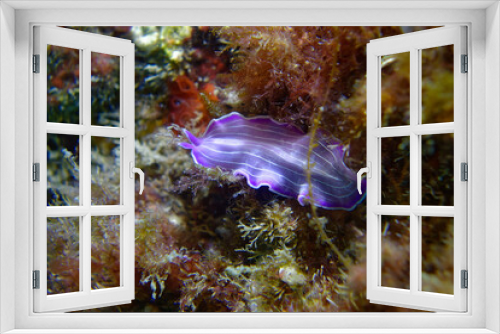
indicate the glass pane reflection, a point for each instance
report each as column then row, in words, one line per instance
column 437, row 254
column 105, row 158
column 105, row 89
column 437, row 169
column 395, row 266
column 63, row 255
column 395, row 94
column 105, row 252
column 63, row 85
column 396, row 171
column 63, row 171
column 437, row 84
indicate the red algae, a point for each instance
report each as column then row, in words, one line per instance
column 185, row 107
column 287, row 71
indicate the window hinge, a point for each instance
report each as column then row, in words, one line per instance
column 464, row 171
column 464, row 279
column 465, row 63
column 36, row 279
column 36, row 172
column 36, row 63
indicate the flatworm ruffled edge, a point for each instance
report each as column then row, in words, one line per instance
column 195, row 141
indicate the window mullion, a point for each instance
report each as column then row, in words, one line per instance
column 415, row 175
column 85, row 261
column 419, row 130
column 58, row 128
column 85, row 180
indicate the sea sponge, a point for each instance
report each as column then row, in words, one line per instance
column 185, row 106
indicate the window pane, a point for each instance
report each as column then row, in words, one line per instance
column 63, row 85
column 105, row 89
column 437, row 254
column 105, row 252
column 395, row 99
column 63, row 255
column 437, row 169
column 105, row 171
column 437, row 84
column 396, row 171
column 63, row 171
column 395, row 268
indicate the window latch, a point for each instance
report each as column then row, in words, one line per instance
column 132, row 171
column 368, row 171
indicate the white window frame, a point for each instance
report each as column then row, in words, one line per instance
column 483, row 20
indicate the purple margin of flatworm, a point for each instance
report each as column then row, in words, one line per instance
column 334, row 184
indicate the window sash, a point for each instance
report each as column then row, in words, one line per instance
column 414, row 298
column 85, row 297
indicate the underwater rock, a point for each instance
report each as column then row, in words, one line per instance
column 292, row 276
column 275, row 155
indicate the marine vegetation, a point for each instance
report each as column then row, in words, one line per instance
column 215, row 237
column 185, row 104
